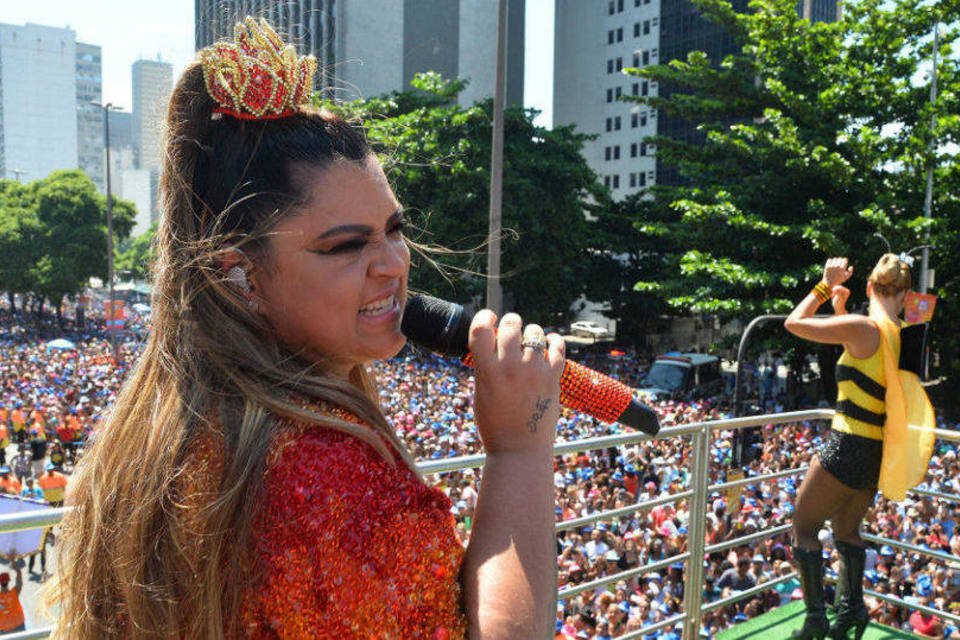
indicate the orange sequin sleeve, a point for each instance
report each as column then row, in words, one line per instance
column 351, row 547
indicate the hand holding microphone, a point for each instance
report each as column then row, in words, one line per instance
column 445, row 328
column 517, row 399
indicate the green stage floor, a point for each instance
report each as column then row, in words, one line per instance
column 781, row 622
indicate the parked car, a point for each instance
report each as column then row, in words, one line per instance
column 589, row 329
column 683, row 376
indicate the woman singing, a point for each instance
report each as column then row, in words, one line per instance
column 246, row 483
column 843, row 480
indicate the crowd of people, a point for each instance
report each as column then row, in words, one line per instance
column 428, row 399
column 52, row 400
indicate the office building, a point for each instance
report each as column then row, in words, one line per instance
column 365, row 49
column 89, row 116
column 121, row 132
column 126, row 181
column 152, row 85
column 593, row 43
column 38, row 101
column 48, row 81
column 140, row 187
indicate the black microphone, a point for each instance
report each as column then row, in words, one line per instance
column 444, row 327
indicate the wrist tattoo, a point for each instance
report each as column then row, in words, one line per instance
column 542, row 405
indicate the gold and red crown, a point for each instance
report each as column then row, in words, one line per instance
column 257, row 77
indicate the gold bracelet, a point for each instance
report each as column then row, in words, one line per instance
column 821, row 291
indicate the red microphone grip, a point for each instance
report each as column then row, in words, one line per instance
column 583, row 389
column 443, row 327
column 600, row 396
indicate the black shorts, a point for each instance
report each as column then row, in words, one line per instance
column 853, row 460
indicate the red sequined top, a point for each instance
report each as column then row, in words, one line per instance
column 350, row 546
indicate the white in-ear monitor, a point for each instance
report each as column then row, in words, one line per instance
column 237, row 276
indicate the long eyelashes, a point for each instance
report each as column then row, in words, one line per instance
column 357, row 244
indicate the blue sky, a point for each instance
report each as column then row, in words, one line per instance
column 134, row 29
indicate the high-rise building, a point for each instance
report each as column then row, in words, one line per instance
column 38, row 105
column 121, row 133
column 368, row 48
column 820, row 10
column 152, row 85
column 593, row 43
column 48, row 81
column 89, row 116
column 126, row 181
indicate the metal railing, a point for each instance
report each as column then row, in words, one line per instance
column 701, row 434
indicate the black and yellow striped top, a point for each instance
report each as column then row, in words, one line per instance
column 861, row 385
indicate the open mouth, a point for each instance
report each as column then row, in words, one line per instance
column 379, row 307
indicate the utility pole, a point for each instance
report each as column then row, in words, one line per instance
column 494, row 288
column 111, row 328
column 931, row 162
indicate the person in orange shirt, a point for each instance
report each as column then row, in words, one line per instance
column 11, row 611
column 54, row 485
column 67, row 433
column 37, row 416
column 19, row 421
column 9, row 484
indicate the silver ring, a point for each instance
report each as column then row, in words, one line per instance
column 539, row 345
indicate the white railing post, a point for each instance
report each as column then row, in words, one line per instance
column 697, row 531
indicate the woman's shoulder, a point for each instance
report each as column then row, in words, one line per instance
column 306, row 444
column 307, row 462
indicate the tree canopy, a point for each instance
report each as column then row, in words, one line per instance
column 816, row 137
column 53, row 233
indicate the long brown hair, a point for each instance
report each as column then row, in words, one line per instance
column 141, row 556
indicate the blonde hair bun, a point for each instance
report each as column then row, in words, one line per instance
column 891, row 276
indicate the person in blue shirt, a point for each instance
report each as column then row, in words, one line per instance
column 31, row 490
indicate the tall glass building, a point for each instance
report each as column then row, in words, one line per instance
column 366, row 48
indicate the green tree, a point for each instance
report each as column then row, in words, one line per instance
column 437, row 155
column 624, row 253
column 19, row 237
column 134, row 257
column 826, row 147
column 53, row 235
column 73, row 241
column 817, row 136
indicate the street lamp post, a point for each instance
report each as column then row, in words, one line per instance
column 111, row 328
column 928, row 196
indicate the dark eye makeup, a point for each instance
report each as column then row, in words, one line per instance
column 356, row 244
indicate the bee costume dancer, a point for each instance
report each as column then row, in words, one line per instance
column 881, row 436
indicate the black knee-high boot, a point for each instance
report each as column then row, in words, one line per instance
column 849, row 606
column 810, row 568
